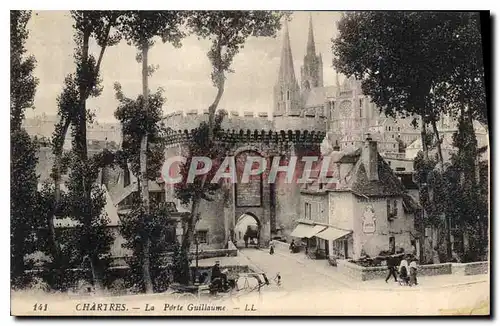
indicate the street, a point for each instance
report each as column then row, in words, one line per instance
column 295, row 276
column 309, row 287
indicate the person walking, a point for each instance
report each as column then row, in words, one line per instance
column 271, row 248
column 413, row 272
column 392, row 265
column 292, row 246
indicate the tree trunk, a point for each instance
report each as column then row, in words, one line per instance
column 144, row 176
column 212, row 108
column 58, row 151
column 423, row 134
column 438, row 144
column 447, row 231
column 195, row 203
column 82, row 152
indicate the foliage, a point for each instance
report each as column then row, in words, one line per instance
column 140, row 26
column 135, row 124
column 199, row 146
column 159, row 227
column 180, row 261
column 401, row 57
column 23, row 194
column 228, row 32
column 85, row 199
column 466, row 84
column 23, row 178
column 469, row 193
column 22, row 82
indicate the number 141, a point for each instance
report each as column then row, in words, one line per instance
column 40, row 307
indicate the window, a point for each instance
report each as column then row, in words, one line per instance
column 288, row 95
column 392, row 209
column 202, row 236
column 282, row 97
column 307, row 212
column 157, row 196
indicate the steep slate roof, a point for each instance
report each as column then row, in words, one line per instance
column 387, row 185
column 351, row 157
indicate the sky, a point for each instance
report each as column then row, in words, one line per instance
column 183, row 73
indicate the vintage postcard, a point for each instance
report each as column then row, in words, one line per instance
column 249, row 163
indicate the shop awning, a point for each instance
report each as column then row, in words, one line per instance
column 332, row 234
column 306, row 230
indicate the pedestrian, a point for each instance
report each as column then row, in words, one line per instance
column 391, row 265
column 271, row 248
column 404, row 278
column 413, row 272
column 278, row 279
column 292, row 246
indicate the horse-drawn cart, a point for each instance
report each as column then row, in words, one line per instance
column 243, row 283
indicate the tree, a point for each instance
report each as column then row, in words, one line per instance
column 469, row 190
column 401, row 57
column 228, row 32
column 137, row 226
column 199, row 189
column 464, row 91
column 23, row 178
column 140, row 28
column 405, row 61
column 73, row 112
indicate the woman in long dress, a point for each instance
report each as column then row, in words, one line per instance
column 404, row 270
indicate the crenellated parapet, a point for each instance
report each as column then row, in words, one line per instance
column 234, row 120
column 243, row 136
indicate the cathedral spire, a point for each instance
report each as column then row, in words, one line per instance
column 311, row 48
column 286, row 72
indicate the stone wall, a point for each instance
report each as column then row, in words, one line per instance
column 361, row 273
column 475, row 268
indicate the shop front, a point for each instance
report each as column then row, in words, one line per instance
column 306, row 232
column 323, row 241
column 335, row 242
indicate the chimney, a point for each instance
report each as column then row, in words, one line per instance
column 370, row 158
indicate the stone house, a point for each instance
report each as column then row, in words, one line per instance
column 366, row 210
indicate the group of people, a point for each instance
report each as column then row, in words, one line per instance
column 403, row 268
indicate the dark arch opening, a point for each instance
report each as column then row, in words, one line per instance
column 247, row 230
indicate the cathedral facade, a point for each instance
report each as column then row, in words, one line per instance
column 345, row 113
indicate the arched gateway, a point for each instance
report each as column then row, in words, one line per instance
column 274, row 205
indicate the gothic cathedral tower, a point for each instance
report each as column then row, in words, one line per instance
column 312, row 70
column 287, row 100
